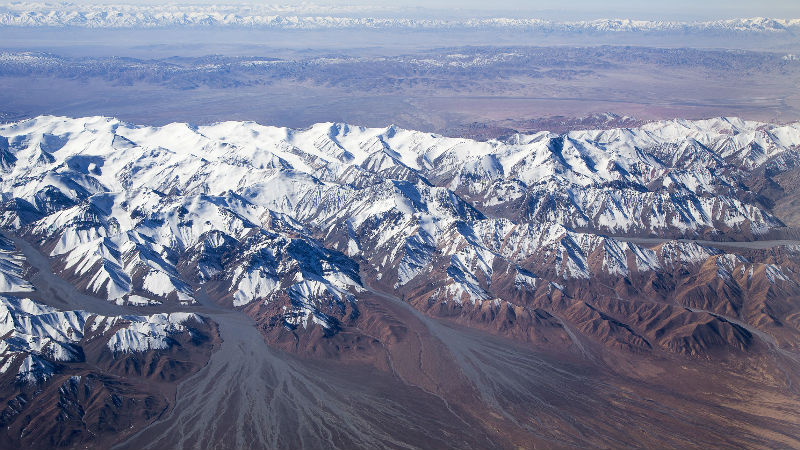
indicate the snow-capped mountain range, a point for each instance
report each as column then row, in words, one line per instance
column 352, row 243
column 307, row 16
column 140, row 215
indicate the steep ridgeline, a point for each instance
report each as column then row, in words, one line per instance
column 513, row 236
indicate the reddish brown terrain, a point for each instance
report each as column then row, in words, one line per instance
column 655, row 362
column 103, row 396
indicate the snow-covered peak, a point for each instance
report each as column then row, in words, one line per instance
column 37, row 337
column 311, row 16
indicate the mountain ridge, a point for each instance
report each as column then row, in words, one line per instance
column 20, row 14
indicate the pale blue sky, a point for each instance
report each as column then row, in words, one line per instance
column 672, row 9
column 555, row 9
column 707, row 6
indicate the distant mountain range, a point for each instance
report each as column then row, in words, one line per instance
column 466, row 91
column 20, row 14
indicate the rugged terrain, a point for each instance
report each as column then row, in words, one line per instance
column 382, row 287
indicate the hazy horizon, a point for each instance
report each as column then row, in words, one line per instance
column 549, row 9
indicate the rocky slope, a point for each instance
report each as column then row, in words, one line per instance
column 72, row 378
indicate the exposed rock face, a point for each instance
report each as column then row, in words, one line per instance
column 75, row 379
column 431, row 264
